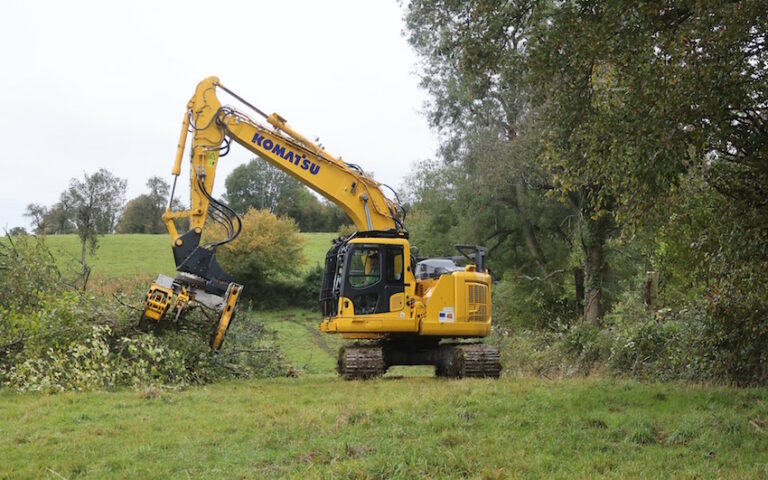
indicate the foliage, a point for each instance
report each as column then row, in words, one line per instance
column 735, row 300
column 91, row 364
column 346, row 230
column 54, row 338
column 268, row 249
column 27, row 272
column 647, row 123
column 140, row 215
column 498, row 187
column 37, row 214
column 143, row 214
column 95, row 202
column 259, row 185
column 92, row 205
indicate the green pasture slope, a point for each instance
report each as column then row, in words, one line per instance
column 133, row 255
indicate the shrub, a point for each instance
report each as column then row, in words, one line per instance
column 673, row 347
column 27, row 271
column 346, row 230
column 268, row 249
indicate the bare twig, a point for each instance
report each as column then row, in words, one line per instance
column 132, row 307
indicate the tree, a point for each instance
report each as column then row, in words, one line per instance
column 492, row 188
column 258, row 185
column 94, row 202
column 268, row 248
column 158, row 190
column 143, row 214
column 37, row 214
column 140, row 215
column 59, row 217
column 642, row 96
column 261, row 186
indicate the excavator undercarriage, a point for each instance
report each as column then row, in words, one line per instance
column 454, row 360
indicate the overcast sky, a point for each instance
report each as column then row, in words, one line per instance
column 86, row 85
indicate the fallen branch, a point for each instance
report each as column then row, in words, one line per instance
column 114, row 295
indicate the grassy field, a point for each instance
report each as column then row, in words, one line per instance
column 389, row 428
column 406, row 425
column 132, row 255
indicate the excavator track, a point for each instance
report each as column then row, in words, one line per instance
column 451, row 360
column 359, row 362
column 469, row 361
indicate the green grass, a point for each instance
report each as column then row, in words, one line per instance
column 133, row 255
column 310, row 352
column 316, row 246
column 123, row 255
column 307, row 350
column 389, row 428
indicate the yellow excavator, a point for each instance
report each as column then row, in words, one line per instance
column 394, row 309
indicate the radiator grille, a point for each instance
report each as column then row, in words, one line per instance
column 477, row 308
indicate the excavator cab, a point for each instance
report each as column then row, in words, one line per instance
column 366, row 277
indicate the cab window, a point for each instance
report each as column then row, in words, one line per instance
column 364, row 267
column 394, row 264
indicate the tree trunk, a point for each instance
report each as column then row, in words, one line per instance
column 86, row 269
column 578, row 282
column 528, row 233
column 651, row 291
column 593, row 236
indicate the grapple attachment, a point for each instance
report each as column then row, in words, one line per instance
column 175, row 294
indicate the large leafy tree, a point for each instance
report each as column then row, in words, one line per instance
column 652, row 121
column 645, row 96
column 496, row 192
column 258, row 185
column 37, row 214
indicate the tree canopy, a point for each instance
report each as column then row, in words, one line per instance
column 590, row 142
column 261, row 186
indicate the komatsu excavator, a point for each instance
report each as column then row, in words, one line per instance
column 394, row 309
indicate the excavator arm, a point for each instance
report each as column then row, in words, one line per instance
column 213, row 128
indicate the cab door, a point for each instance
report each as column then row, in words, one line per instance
column 374, row 278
